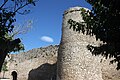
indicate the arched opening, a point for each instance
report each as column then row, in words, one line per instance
column 14, row 75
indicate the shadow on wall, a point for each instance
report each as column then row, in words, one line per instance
column 44, row 72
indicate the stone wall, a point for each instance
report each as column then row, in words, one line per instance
column 40, row 67
column 36, row 62
column 75, row 62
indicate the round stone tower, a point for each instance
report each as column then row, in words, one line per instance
column 75, row 62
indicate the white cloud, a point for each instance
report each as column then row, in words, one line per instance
column 47, row 39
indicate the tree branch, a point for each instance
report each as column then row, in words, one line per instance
column 21, row 7
column 3, row 4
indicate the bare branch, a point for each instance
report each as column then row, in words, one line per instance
column 15, row 5
column 21, row 7
column 3, row 4
column 21, row 29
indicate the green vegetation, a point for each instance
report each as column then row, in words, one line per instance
column 8, row 10
column 103, row 21
column 4, row 68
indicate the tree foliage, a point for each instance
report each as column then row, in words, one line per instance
column 4, row 68
column 103, row 21
column 8, row 10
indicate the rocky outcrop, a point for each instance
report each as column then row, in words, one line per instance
column 43, row 52
column 36, row 64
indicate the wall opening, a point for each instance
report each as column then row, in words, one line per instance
column 14, row 75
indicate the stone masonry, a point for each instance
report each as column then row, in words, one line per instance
column 75, row 62
column 35, row 64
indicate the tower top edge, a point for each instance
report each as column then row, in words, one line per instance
column 74, row 9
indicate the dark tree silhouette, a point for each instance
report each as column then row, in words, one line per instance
column 8, row 10
column 103, row 21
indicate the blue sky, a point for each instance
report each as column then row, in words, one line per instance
column 47, row 22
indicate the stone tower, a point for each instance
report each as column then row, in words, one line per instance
column 75, row 62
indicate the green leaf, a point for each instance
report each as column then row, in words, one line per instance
column 30, row 1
